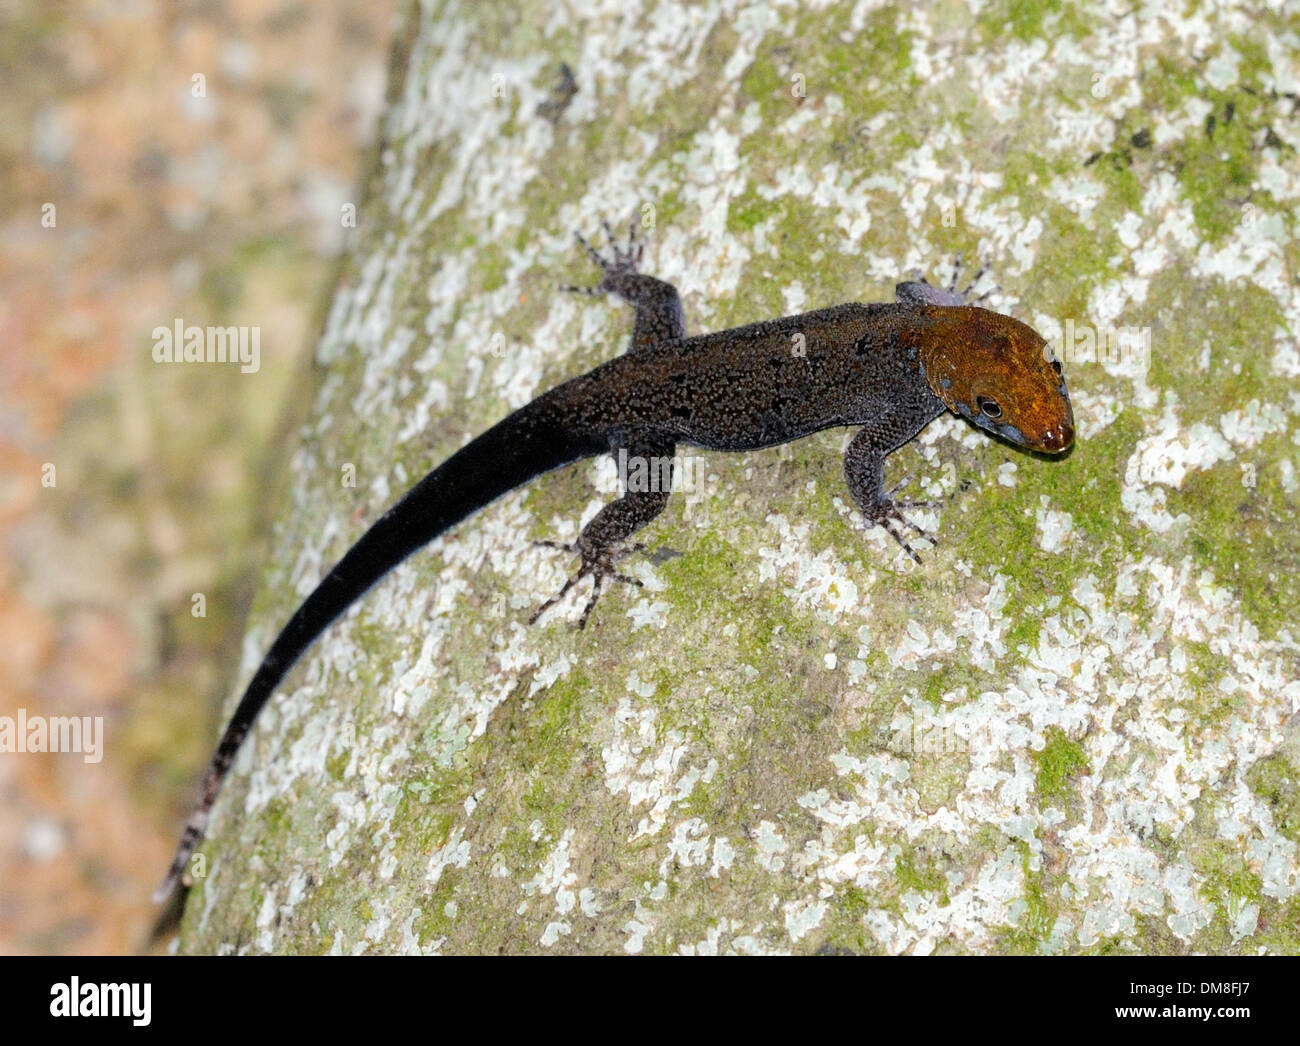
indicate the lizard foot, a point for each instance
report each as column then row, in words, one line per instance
column 965, row 293
column 599, row 563
column 623, row 260
column 922, row 503
column 888, row 513
column 920, row 291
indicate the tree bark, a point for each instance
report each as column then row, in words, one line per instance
column 1066, row 731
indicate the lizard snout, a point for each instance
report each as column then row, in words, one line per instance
column 1057, row 439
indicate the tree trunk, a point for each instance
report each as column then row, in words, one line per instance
column 1066, row 731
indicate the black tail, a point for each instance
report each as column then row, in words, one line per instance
column 529, row 442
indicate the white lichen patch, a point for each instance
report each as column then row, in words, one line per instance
column 1053, row 527
column 454, row 853
column 557, row 879
column 803, row 916
column 822, row 582
column 1145, row 769
column 1163, row 460
column 647, row 768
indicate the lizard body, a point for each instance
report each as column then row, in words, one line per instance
column 889, row 368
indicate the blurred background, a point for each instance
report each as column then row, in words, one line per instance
column 187, row 159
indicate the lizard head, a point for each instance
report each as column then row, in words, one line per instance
column 1000, row 374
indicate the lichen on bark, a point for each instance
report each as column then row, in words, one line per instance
column 1071, row 729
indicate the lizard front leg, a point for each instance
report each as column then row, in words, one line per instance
column 864, row 469
column 603, row 541
column 920, row 291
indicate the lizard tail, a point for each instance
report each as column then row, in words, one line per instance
column 531, row 441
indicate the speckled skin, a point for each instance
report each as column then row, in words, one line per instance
column 889, row 368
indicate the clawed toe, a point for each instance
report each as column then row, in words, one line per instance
column 893, row 517
column 563, row 546
column 625, row 258
column 889, row 515
column 591, row 292
column 921, row 503
column 897, row 487
column 592, row 253
column 600, row 567
column 620, row 260
column 966, row 292
column 956, row 270
column 564, row 591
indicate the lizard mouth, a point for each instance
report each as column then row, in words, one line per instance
column 1051, row 441
column 1059, row 439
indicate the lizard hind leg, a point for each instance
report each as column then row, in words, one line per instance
column 659, row 314
column 621, row 261
column 599, row 564
column 604, row 540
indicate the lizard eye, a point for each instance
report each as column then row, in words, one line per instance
column 1056, row 366
column 988, row 407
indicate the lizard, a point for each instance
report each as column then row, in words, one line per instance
column 890, row 368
